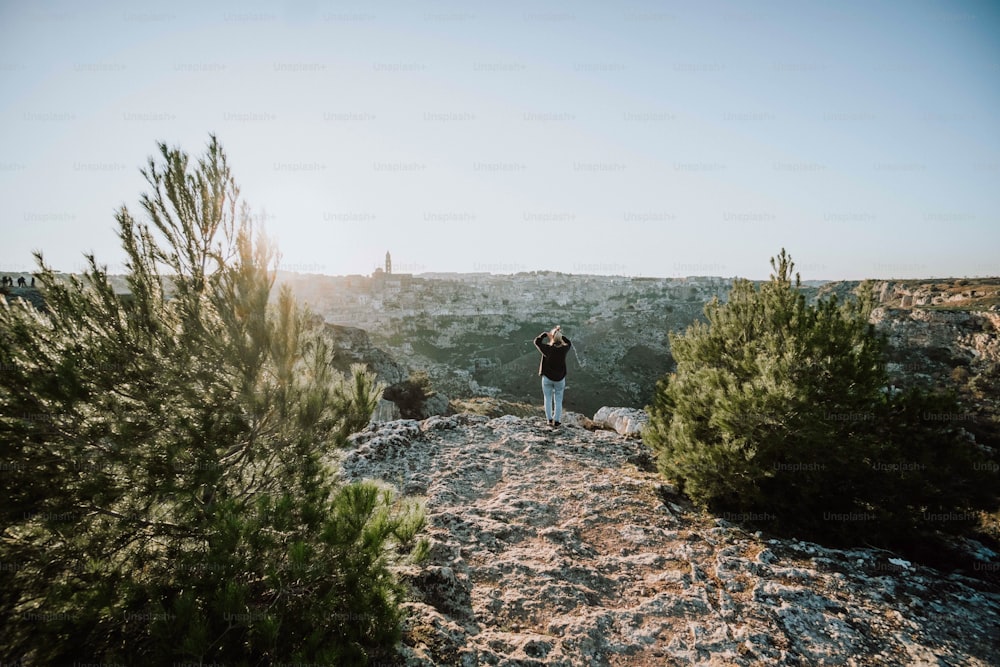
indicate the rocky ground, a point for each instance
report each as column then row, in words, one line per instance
column 563, row 548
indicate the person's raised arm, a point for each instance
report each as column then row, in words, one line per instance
column 538, row 341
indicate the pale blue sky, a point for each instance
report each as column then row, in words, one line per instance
column 641, row 138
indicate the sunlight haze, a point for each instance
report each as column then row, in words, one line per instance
column 639, row 138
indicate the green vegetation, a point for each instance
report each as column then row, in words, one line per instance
column 779, row 412
column 411, row 395
column 166, row 495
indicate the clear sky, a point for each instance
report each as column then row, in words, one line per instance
column 659, row 138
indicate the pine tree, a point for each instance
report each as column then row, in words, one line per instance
column 169, row 494
column 779, row 412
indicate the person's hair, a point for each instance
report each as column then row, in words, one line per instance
column 556, row 338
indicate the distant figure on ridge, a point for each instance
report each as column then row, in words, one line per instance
column 553, row 371
column 20, row 281
column 32, row 281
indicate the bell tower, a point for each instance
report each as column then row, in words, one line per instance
column 388, row 262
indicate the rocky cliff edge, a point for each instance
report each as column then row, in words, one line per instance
column 564, row 548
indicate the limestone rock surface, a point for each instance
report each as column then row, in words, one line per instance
column 624, row 421
column 564, row 548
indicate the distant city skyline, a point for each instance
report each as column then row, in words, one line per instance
column 659, row 139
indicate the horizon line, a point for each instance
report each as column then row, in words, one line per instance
column 432, row 274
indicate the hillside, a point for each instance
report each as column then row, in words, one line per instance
column 562, row 548
column 945, row 293
column 472, row 333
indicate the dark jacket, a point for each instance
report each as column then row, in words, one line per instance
column 553, row 364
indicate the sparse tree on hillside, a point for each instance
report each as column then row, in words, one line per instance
column 778, row 410
column 167, row 487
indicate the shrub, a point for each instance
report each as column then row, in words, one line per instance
column 779, row 411
column 410, row 395
column 167, row 496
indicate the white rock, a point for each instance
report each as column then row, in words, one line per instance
column 625, row 421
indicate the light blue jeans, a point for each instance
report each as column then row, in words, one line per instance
column 552, row 392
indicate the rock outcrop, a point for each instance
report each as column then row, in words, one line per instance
column 963, row 293
column 624, row 421
column 436, row 405
column 563, row 548
column 941, row 339
column 353, row 346
column 385, row 411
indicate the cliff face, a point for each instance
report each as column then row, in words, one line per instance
column 941, row 340
column 354, row 346
column 563, row 548
column 964, row 293
column 955, row 350
column 953, row 293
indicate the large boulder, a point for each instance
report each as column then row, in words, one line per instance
column 626, row 421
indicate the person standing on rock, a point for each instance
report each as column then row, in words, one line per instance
column 552, row 368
